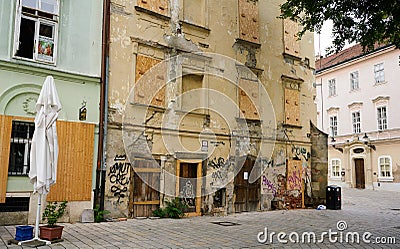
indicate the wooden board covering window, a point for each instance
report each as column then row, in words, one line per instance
column 151, row 89
column 5, row 137
column 292, row 107
column 247, row 105
column 291, row 44
column 158, row 6
column 75, row 162
column 249, row 21
column 294, row 175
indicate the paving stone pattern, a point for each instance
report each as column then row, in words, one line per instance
column 376, row 212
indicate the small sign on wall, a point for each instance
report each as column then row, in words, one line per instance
column 246, row 175
column 204, row 145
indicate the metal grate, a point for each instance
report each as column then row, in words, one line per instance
column 20, row 146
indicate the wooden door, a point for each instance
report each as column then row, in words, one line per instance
column 360, row 176
column 188, row 186
column 247, row 195
column 145, row 186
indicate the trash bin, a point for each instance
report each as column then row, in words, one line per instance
column 333, row 197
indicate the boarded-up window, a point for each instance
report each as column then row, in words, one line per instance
column 5, row 136
column 292, row 106
column 290, row 37
column 249, row 21
column 194, row 11
column 294, row 175
column 158, row 6
column 248, row 99
column 75, row 162
column 151, row 89
column 192, row 92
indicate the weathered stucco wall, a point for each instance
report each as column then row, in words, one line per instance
column 146, row 32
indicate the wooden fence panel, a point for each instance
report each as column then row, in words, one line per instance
column 5, row 137
column 75, row 162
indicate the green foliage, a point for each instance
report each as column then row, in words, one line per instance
column 173, row 209
column 99, row 214
column 159, row 212
column 53, row 212
column 365, row 22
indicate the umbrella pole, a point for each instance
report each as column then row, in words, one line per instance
column 36, row 238
column 38, row 216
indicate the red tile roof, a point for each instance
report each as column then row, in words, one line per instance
column 343, row 56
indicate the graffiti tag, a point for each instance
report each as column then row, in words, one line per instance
column 268, row 185
column 294, row 180
column 119, row 177
column 301, row 151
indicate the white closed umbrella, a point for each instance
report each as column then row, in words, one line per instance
column 44, row 149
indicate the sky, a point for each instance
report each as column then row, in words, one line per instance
column 323, row 40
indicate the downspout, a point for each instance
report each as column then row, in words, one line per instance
column 101, row 153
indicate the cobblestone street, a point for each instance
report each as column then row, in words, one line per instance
column 364, row 211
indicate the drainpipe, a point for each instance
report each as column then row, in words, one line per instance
column 99, row 191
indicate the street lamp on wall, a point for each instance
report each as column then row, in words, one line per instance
column 333, row 140
column 367, row 142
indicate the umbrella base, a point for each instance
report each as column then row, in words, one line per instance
column 35, row 242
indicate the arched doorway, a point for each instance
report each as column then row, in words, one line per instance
column 360, row 175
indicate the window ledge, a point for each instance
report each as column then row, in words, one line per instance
column 196, row 26
column 152, row 13
column 332, row 96
column 380, row 83
column 294, row 57
column 292, row 126
column 252, row 44
column 27, row 60
column 355, row 90
column 385, row 179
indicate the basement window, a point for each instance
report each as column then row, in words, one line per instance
column 15, row 204
column 36, row 26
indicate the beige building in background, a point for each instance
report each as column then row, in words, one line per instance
column 203, row 167
column 358, row 99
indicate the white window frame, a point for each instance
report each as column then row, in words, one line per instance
column 379, row 73
column 356, row 122
column 382, row 119
column 334, row 174
column 332, row 87
column 354, row 81
column 385, row 178
column 38, row 20
column 333, row 125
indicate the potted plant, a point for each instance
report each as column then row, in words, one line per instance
column 52, row 213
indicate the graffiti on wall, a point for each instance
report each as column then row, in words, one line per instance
column 294, row 175
column 268, row 186
column 299, row 152
column 219, row 174
column 119, row 176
